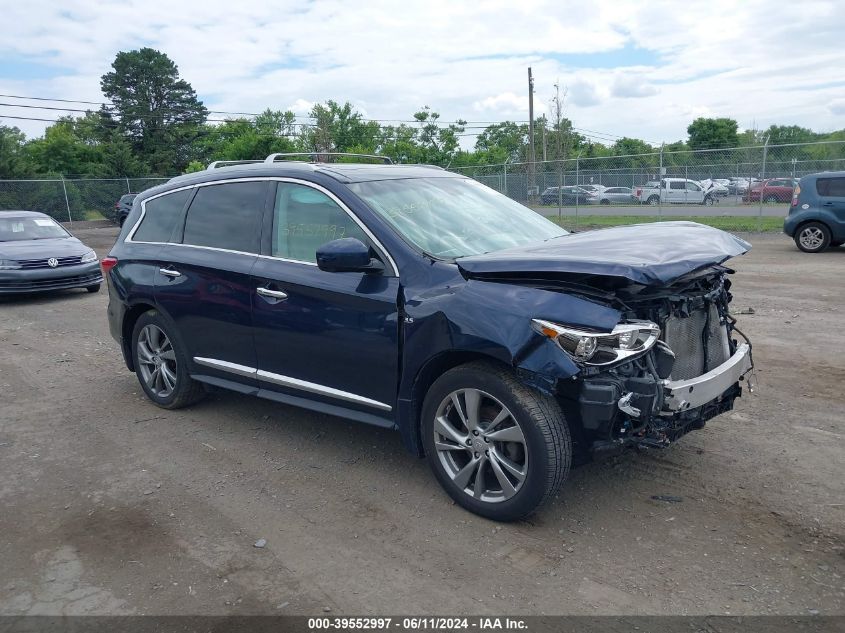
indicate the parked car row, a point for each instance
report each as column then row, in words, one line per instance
column 588, row 194
column 676, row 190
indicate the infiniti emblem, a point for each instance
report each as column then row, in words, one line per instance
column 52, row 262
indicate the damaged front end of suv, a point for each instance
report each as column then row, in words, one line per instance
column 675, row 357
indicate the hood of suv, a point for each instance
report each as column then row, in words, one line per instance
column 650, row 254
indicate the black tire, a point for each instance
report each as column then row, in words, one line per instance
column 605, row 201
column 812, row 237
column 654, row 200
column 771, row 200
column 187, row 391
column 93, row 289
column 121, row 221
column 538, row 416
column 708, row 201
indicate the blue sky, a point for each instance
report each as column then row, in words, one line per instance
column 628, row 68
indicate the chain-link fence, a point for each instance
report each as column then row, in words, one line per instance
column 69, row 200
column 743, row 189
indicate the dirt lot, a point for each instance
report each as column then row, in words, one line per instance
column 110, row 505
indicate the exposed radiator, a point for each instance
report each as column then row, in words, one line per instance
column 686, row 338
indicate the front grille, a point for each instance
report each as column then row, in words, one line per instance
column 686, row 337
column 42, row 263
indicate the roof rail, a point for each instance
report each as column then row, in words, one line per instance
column 223, row 163
column 315, row 156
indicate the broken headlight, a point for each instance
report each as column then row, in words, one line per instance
column 595, row 348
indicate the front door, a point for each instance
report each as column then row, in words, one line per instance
column 329, row 336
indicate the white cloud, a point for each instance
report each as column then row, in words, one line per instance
column 632, row 86
column 837, row 107
column 464, row 59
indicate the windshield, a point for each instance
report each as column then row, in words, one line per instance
column 16, row 229
column 454, row 217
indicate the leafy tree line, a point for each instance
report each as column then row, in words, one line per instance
column 156, row 125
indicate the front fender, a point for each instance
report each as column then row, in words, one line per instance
column 494, row 320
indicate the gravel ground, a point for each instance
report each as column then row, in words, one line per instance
column 112, row 506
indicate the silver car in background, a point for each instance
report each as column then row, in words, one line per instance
column 618, row 195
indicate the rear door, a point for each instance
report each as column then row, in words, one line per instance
column 832, row 198
column 329, row 336
column 203, row 281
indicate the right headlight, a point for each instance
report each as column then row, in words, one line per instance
column 625, row 341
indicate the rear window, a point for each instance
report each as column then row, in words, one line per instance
column 831, row 187
column 160, row 216
column 226, row 216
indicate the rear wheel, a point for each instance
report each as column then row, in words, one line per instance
column 161, row 365
column 605, row 201
column 499, row 448
column 812, row 237
column 771, row 199
column 654, row 200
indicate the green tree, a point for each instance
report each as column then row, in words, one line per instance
column 708, row 133
column 61, row 151
column 12, row 157
column 157, row 111
column 339, row 128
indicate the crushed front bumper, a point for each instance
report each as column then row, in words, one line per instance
column 682, row 395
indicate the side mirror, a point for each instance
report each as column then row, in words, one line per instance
column 347, row 254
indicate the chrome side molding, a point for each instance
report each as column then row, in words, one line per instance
column 287, row 381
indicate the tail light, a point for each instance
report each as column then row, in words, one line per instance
column 107, row 263
column 639, row 192
column 795, row 193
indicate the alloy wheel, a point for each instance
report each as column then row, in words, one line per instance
column 480, row 445
column 811, row 238
column 156, row 361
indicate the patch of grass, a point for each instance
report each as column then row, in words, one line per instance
column 727, row 223
column 94, row 215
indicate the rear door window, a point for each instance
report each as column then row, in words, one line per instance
column 160, row 217
column 831, row 187
column 674, row 184
column 227, row 216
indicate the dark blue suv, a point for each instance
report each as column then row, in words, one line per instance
column 500, row 346
column 816, row 217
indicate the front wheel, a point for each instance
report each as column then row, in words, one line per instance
column 813, row 237
column 93, row 289
column 708, row 201
column 499, row 448
column 161, row 365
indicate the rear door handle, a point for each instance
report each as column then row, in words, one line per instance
column 169, row 272
column 827, row 204
column 273, row 294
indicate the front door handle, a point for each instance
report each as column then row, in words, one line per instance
column 169, row 272
column 827, row 204
column 273, row 294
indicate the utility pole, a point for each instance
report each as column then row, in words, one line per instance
column 544, row 141
column 532, row 176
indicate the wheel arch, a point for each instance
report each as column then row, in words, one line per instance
column 130, row 318
column 435, row 367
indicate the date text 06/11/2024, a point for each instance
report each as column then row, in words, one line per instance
column 416, row 624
